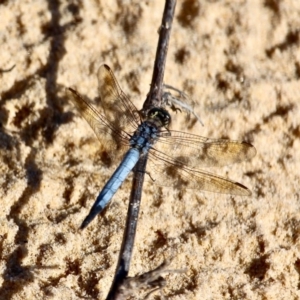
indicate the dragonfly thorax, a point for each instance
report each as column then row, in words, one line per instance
column 144, row 136
column 148, row 131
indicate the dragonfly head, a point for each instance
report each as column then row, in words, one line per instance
column 159, row 116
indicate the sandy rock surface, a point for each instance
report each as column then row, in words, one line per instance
column 240, row 63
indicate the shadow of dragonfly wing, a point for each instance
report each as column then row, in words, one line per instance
column 117, row 107
column 187, row 152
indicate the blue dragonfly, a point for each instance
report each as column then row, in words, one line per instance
column 174, row 157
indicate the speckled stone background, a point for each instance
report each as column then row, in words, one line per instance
column 240, row 63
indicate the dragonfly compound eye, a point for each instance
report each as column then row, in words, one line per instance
column 160, row 115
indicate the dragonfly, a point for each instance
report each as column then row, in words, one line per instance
column 173, row 157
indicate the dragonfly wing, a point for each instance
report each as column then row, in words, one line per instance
column 195, row 151
column 113, row 140
column 164, row 172
column 117, row 107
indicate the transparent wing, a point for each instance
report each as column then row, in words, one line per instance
column 165, row 172
column 186, row 153
column 195, row 151
column 113, row 140
column 117, row 107
column 118, row 118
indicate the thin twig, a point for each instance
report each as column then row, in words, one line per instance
column 130, row 229
column 154, row 96
column 154, row 99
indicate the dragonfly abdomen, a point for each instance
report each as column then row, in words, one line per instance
column 129, row 161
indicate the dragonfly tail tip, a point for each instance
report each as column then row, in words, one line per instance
column 84, row 224
column 86, row 221
column 90, row 217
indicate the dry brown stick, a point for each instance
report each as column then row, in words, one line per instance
column 154, row 99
